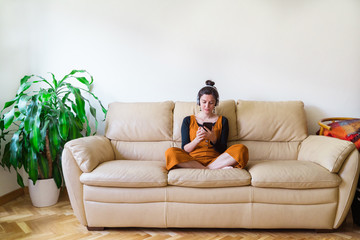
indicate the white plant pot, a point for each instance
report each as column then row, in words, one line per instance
column 44, row 193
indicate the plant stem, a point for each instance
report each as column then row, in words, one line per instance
column 48, row 153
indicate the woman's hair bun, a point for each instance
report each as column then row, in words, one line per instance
column 209, row 83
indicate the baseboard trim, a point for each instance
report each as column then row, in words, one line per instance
column 12, row 195
column 19, row 192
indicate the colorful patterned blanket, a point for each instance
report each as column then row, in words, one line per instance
column 346, row 130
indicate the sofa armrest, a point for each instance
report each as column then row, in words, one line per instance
column 83, row 155
column 89, row 152
column 327, row 151
column 349, row 174
column 74, row 187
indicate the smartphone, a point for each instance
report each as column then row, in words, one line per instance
column 208, row 125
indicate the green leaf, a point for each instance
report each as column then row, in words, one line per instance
column 2, row 125
column 9, row 118
column 77, row 120
column 75, row 131
column 9, row 103
column 14, row 148
column 43, row 80
column 84, row 81
column 93, row 113
column 53, row 151
column 55, row 140
column 102, row 107
column 30, row 116
column 44, row 166
column 45, row 96
column 33, row 166
column 57, row 175
column 80, row 103
column 35, row 134
column 27, row 124
column 25, row 79
column 22, row 105
column 54, row 80
column 44, row 129
column 25, row 156
column 79, row 124
column 63, row 124
column 17, row 115
column 19, row 154
column 71, row 74
column 20, row 180
column 74, row 107
column 77, row 71
column 88, row 128
column 5, row 161
column 65, row 98
column 23, row 87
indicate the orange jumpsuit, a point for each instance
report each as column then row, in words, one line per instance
column 205, row 152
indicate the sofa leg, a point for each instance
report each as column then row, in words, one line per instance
column 95, row 228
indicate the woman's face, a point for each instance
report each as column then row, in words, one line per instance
column 207, row 103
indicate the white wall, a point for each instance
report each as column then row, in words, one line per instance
column 155, row 50
column 14, row 63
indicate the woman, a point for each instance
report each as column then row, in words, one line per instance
column 203, row 147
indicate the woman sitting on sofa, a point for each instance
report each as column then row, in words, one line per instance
column 204, row 138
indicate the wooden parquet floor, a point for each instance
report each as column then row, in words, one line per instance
column 20, row 220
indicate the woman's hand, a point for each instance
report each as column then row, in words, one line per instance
column 205, row 133
column 210, row 135
column 201, row 134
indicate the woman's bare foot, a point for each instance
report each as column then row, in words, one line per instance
column 224, row 160
column 227, row 167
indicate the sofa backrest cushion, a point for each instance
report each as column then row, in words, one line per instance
column 147, row 151
column 262, row 150
column 226, row 108
column 271, row 121
column 140, row 122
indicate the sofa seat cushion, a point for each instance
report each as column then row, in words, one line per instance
column 187, row 177
column 291, row 174
column 127, row 173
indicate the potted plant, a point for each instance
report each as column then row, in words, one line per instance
column 40, row 119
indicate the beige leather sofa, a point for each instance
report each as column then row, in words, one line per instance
column 292, row 180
